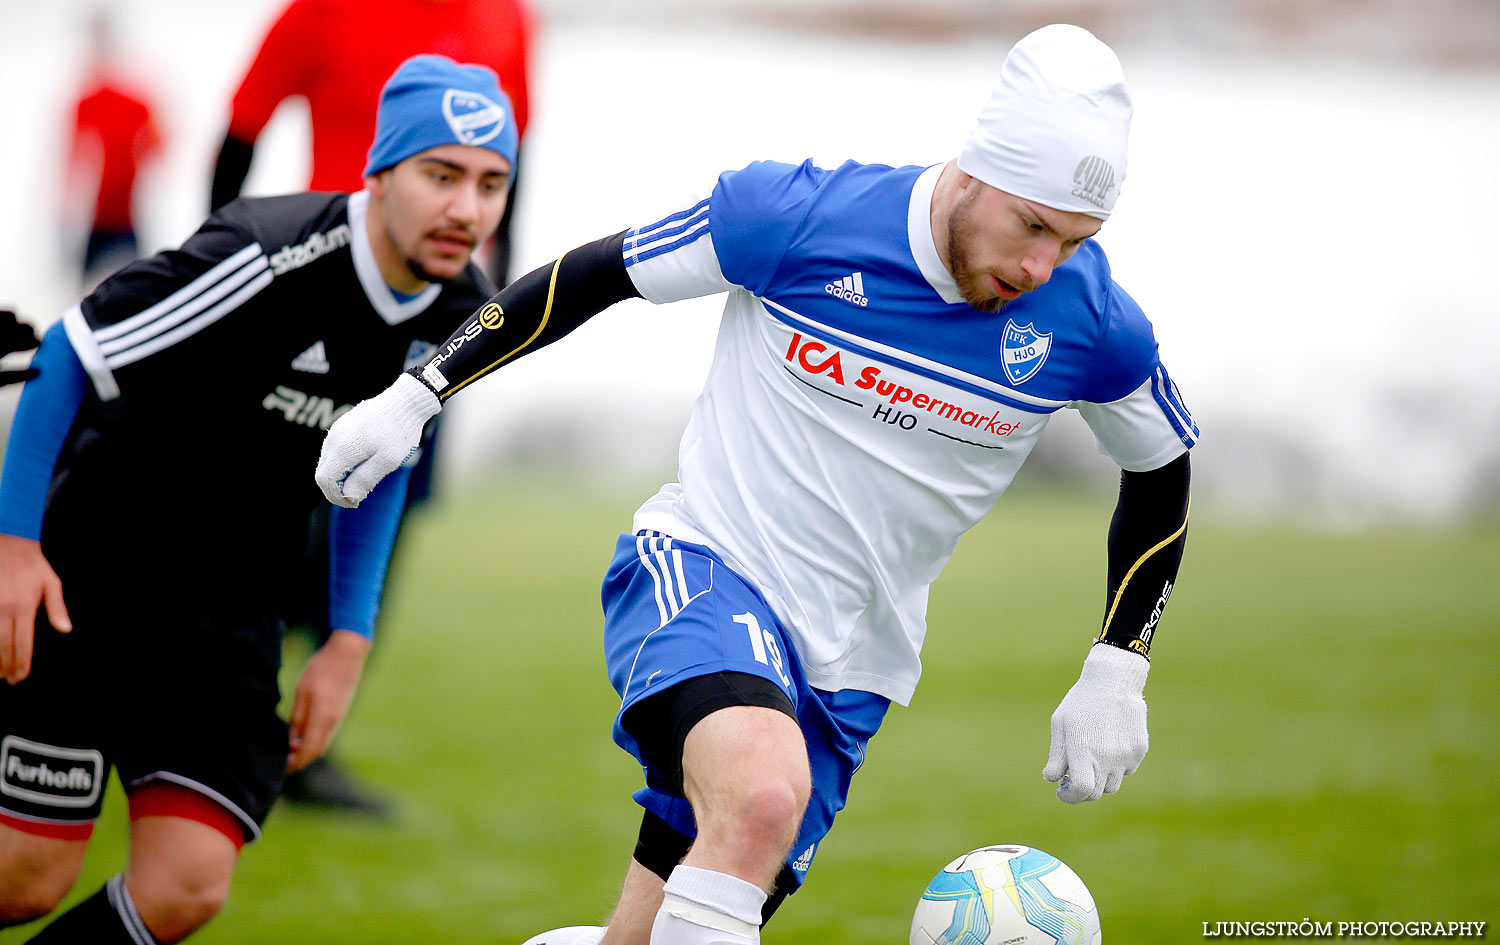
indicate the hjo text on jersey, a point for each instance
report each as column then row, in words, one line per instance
column 293, row 257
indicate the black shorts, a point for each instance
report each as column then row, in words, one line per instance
column 186, row 694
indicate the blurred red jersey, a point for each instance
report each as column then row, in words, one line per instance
column 114, row 128
column 338, row 54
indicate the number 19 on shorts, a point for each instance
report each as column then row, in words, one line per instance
column 763, row 645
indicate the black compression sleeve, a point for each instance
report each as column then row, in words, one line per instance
column 1146, row 537
column 535, row 310
column 230, row 171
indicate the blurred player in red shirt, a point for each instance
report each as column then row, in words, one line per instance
column 113, row 137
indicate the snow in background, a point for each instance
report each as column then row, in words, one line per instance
column 1314, row 239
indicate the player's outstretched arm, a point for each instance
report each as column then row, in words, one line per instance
column 1099, row 731
column 370, row 441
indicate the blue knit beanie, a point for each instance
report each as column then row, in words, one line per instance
column 431, row 101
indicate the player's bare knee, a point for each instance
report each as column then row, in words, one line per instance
column 178, row 897
column 35, row 874
column 176, row 906
column 770, row 807
column 185, row 918
column 31, row 887
column 18, row 906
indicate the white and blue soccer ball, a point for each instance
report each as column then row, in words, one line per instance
column 1006, row 895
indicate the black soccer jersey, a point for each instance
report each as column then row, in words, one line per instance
column 226, row 360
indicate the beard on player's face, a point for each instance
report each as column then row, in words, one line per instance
column 416, row 268
column 962, row 234
column 991, row 249
column 428, row 266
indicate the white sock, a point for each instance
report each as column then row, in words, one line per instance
column 572, row 935
column 702, row 907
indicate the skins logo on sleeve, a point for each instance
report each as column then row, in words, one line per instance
column 491, row 316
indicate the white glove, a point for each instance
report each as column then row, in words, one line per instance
column 1099, row 729
column 367, row 444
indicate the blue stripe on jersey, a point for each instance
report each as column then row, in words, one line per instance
column 1170, row 400
column 660, row 249
column 635, row 244
column 673, row 218
column 647, row 242
column 818, row 331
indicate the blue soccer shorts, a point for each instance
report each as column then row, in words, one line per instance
column 674, row 611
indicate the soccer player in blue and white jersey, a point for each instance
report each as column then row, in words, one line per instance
column 893, row 343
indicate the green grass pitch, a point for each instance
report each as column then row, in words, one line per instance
column 1324, row 718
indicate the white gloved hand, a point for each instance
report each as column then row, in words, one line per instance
column 1099, row 729
column 367, row 444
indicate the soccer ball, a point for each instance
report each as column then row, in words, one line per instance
column 1006, row 895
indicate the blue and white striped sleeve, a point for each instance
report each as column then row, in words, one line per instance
column 674, row 257
column 735, row 237
column 1135, row 411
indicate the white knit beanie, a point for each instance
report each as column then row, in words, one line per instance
column 1055, row 129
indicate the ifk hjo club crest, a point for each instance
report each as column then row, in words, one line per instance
column 1023, row 350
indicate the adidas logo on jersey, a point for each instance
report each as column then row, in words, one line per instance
column 851, row 289
column 805, row 860
column 312, row 361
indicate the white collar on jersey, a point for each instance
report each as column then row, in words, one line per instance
column 379, row 294
column 919, row 234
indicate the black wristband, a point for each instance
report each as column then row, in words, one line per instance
column 417, row 373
